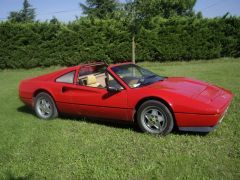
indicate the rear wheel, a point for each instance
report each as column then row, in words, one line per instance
column 155, row 118
column 45, row 107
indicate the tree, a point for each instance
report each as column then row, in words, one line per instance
column 164, row 8
column 54, row 20
column 26, row 14
column 15, row 16
column 140, row 13
column 99, row 8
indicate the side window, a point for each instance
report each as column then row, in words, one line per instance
column 112, row 82
column 66, row 78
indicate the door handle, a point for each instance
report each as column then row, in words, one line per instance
column 66, row 88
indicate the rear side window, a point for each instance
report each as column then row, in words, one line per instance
column 66, row 78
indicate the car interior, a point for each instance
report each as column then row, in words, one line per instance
column 94, row 76
column 93, row 80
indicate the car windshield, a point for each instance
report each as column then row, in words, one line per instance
column 135, row 76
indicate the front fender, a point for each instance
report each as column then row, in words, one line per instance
column 178, row 103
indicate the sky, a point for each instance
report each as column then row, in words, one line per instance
column 67, row 10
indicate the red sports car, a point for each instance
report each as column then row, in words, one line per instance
column 127, row 92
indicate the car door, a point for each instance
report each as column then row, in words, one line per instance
column 98, row 101
column 64, row 100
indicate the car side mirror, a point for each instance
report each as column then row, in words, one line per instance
column 111, row 88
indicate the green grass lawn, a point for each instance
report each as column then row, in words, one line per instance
column 67, row 148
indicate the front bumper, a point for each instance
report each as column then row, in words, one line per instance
column 219, row 119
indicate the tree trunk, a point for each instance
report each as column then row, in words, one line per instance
column 133, row 50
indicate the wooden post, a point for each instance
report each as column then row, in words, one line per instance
column 133, row 50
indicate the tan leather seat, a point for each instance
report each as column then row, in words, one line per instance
column 92, row 81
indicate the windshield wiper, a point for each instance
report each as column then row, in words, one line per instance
column 145, row 83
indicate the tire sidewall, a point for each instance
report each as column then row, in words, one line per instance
column 163, row 109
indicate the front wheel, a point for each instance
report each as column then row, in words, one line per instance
column 45, row 107
column 155, row 118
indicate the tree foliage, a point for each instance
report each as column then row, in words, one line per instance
column 26, row 14
column 163, row 30
column 145, row 10
column 99, row 8
column 34, row 44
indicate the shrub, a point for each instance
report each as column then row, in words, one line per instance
column 34, row 44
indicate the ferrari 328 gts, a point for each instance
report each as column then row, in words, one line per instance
column 127, row 92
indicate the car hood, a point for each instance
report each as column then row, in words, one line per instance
column 186, row 87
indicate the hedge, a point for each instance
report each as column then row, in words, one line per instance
column 28, row 45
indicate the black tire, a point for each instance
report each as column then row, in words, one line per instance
column 155, row 118
column 45, row 107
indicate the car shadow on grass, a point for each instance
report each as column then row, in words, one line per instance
column 10, row 176
column 106, row 122
column 26, row 110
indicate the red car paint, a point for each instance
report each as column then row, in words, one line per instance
column 196, row 105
